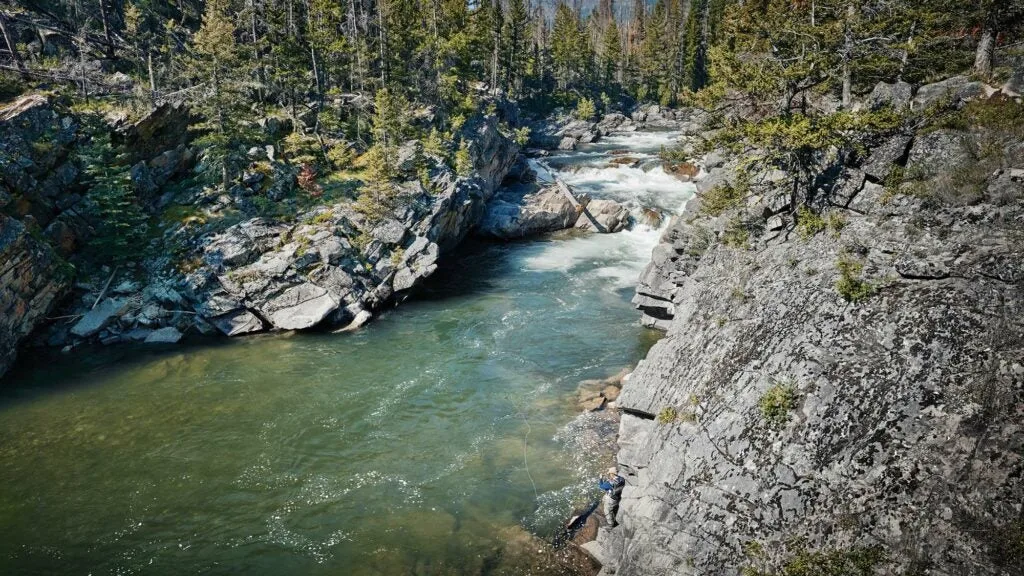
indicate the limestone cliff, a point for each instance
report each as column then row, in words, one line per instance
column 840, row 396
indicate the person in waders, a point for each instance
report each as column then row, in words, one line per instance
column 612, row 484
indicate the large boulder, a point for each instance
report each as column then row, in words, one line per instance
column 164, row 128
column 520, row 212
column 98, row 317
column 605, row 216
column 939, row 151
column 299, row 307
column 952, row 90
column 896, row 95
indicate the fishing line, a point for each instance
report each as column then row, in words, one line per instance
column 526, row 444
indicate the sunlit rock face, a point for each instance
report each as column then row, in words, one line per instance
column 777, row 417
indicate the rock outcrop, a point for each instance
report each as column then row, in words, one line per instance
column 848, row 396
column 45, row 210
column 335, row 266
column 32, row 279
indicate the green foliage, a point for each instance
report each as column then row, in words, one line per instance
column 397, row 256
column 216, row 60
column 850, row 285
column 667, row 415
column 323, row 217
column 378, row 194
column 853, row 561
column 835, row 222
column 736, row 234
column 121, row 227
column 585, row 109
column 725, row 196
column 808, row 222
column 301, row 149
column 10, row 85
column 341, row 156
column 463, row 160
column 521, row 136
column 434, row 145
column 777, row 402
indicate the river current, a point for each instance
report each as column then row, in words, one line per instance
column 434, row 441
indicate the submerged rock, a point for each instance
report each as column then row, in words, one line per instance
column 168, row 335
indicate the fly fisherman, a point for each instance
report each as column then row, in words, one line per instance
column 612, row 484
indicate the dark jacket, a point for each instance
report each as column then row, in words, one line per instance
column 612, row 486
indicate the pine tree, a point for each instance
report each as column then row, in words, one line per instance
column 218, row 63
column 389, row 127
column 516, row 34
column 120, row 225
column 611, row 53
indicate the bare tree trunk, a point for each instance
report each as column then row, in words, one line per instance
column 10, row 45
column 383, row 61
column 983, row 55
column 905, row 55
column 847, row 56
column 494, row 66
column 109, row 48
column 152, row 77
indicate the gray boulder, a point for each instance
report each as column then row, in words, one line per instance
column 897, row 95
column 605, row 216
column 237, row 322
column 99, row 317
column 299, row 307
column 955, row 89
column 519, row 212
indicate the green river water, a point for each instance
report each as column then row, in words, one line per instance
column 422, row 444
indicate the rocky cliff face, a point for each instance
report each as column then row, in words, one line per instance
column 38, row 195
column 44, row 206
column 32, row 279
column 843, row 398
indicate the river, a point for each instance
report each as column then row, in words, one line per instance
column 433, row 441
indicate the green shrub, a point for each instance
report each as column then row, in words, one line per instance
column 667, row 415
column 724, row 197
column 121, row 225
column 853, row 561
column 585, row 109
column 808, row 222
column 322, row 218
column 521, row 136
column 341, row 156
column 397, row 256
column 836, row 222
column 463, row 161
column 850, row 285
column 777, row 402
column 736, row 234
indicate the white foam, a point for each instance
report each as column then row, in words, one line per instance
column 641, row 141
column 617, row 259
column 632, row 186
